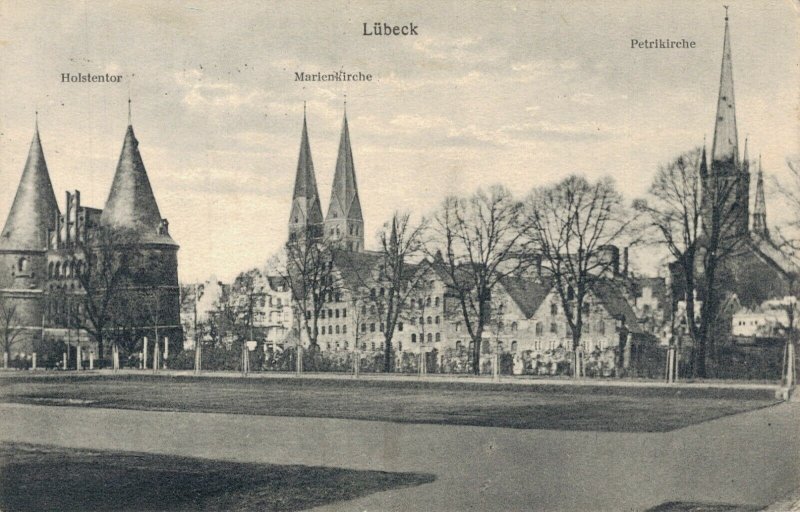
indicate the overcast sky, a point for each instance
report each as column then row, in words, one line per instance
column 521, row 93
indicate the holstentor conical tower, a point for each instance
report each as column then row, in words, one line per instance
column 23, row 249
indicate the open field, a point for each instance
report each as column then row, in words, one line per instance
column 51, row 478
column 588, row 408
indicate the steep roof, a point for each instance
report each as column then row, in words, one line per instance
column 611, row 295
column 526, row 293
column 344, row 192
column 34, row 209
column 305, row 185
column 725, row 147
column 131, row 204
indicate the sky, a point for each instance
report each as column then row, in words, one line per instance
column 517, row 93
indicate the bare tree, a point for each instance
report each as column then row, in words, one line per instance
column 11, row 328
column 106, row 264
column 479, row 243
column 387, row 285
column 693, row 216
column 307, row 266
column 572, row 227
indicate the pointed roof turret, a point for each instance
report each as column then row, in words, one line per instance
column 35, row 208
column 344, row 193
column 131, row 204
column 760, row 206
column 725, row 146
column 703, row 163
column 306, row 208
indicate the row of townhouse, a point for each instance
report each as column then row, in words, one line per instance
column 527, row 314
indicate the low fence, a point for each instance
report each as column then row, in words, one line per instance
column 763, row 363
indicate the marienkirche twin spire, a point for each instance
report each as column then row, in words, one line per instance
column 344, row 222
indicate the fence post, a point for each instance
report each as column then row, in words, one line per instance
column 115, row 356
column 356, row 364
column 299, row 361
column 64, row 360
column 495, row 366
column 155, row 357
column 144, row 353
column 33, row 362
column 78, row 355
column 197, row 357
column 91, row 359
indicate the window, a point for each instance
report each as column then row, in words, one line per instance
column 344, row 313
column 513, row 326
column 337, row 313
column 344, row 329
column 346, row 345
column 428, row 301
column 513, row 346
column 373, row 345
column 400, row 326
column 458, row 326
column 585, row 308
column 321, row 315
column 363, row 310
column 363, row 327
column 554, row 309
column 279, row 301
column 421, row 321
column 372, row 309
column 430, row 320
column 458, row 346
column 328, row 345
column 399, row 346
column 413, row 321
column 330, row 329
column 372, row 293
column 437, row 320
column 430, row 337
column 330, row 313
column 337, row 329
column 539, row 328
column 437, row 301
column 438, row 336
column 372, row 327
column 382, row 292
column 381, row 327
column 419, row 304
column 601, row 327
column 553, row 328
column 413, row 338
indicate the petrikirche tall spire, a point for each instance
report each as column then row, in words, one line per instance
column 760, row 206
column 344, row 220
column 34, row 209
column 726, row 174
column 306, row 214
column 725, row 146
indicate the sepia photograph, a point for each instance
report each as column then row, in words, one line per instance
column 369, row 256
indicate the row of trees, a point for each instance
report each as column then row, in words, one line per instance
column 559, row 233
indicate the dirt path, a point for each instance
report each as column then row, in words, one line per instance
column 748, row 458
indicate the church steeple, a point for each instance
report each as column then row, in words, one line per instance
column 760, row 206
column 34, row 209
column 727, row 181
column 725, row 148
column 344, row 221
column 306, row 214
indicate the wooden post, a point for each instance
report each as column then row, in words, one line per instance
column 166, row 349
column 495, row 366
column 115, row 356
column 64, row 360
column 78, row 362
column 144, row 353
column 155, row 356
column 197, row 357
column 356, row 363
column 91, row 359
column 33, row 362
column 299, row 360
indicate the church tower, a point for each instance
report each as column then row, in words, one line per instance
column 305, row 218
column 760, row 206
column 344, row 222
column 23, row 244
column 727, row 177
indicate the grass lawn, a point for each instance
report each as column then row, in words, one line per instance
column 60, row 479
column 612, row 409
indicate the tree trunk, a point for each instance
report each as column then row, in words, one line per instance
column 387, row 356
column 476, row 354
